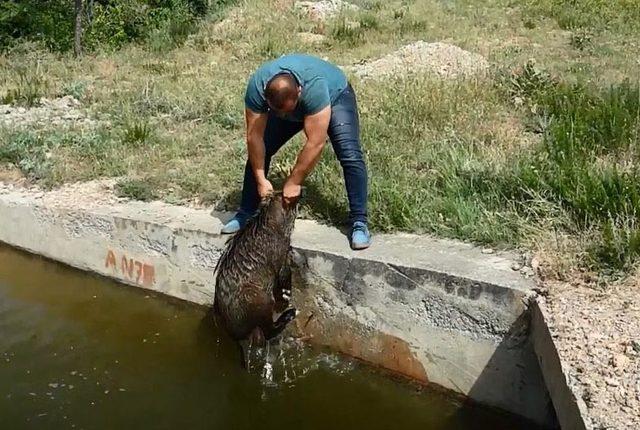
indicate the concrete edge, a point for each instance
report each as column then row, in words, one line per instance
column 571, row 410
column 453, row 259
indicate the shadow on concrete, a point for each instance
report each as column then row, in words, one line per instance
column 513, row 376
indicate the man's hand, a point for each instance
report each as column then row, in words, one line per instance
column 291, row 192
column 264, row 188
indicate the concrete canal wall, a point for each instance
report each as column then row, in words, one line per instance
column 436, row 311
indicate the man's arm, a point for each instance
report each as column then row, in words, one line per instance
column 255, row 125
column 315, row 128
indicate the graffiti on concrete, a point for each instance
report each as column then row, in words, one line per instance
column 131, row 269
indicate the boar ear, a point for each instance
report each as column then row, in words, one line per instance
column 268, row 198
column 264, row 202
column 291, row 205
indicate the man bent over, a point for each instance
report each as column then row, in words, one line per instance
column 301, row 92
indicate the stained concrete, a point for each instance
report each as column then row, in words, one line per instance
column 436, row 311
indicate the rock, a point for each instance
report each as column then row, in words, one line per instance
column 324, row 9
column 488, row 251
column 311, row 38
column 69, row 101
column 535, row 263
column 611, row 382
column 516, row 266
column 620, row 361
column 527, row 272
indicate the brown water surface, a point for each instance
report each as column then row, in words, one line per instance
column 81, row 352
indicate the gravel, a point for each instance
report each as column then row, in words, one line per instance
column 57, row 112
column 596, row 333
column 91, row 194
column 440, row 59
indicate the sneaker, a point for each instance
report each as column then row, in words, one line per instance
column 360, row 237
column 235, row 224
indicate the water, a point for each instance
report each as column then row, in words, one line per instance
column 81, row 352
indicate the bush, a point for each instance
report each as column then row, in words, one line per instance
column 173, row 27
column 49, row 21
column 29, row 152
column 136, row 189
column 116, row 23
column 108, row 23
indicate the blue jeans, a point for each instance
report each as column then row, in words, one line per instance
column 344, row 134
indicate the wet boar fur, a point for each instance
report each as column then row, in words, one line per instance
column 253, row 273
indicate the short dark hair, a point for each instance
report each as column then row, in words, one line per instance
column 281, row 88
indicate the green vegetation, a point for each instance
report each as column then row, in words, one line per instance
column 135, row 189
column 540, row 155
column 617, row 15
column 30, row 86
column 108, row 23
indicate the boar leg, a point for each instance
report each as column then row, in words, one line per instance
column 279, row 325
column 282, row 288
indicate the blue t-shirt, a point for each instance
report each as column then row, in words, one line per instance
column 321, row 83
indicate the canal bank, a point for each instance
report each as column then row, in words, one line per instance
column 439, row 312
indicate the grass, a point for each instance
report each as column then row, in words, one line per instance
column 541, row 156
column 137, row 133
column 588, row 166
column 136, row 189
column 617, row 15
column 27, row 89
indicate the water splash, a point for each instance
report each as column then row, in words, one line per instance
column 286, row 360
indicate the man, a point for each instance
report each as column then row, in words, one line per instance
column 301, row 92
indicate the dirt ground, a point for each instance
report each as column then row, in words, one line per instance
column 597, row 332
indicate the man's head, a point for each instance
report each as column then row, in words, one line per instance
column 282, row 93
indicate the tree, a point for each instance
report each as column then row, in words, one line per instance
column 77, row 47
